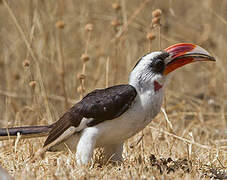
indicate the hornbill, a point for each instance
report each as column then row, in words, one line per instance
column 107, row 117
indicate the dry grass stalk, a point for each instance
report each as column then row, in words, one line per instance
column 167, row 119
column 131, row 18
column 156, row 23
column 107, row 71
column 150, row 37
column 182, row 139
column 60, row 25
column 50, row 96
column 85, row 58
column 35, row 60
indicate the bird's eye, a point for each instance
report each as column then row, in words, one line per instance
column 157, row 65
column 158, row 62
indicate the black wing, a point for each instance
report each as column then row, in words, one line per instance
column 99, row 105
column 106, row 104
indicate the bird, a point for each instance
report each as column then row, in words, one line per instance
column 106, row 118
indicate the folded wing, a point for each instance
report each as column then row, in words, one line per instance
column 97, row 106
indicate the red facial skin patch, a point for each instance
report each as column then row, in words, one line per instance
column 157, row 86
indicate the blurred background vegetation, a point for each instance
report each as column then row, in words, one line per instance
column 53, row 52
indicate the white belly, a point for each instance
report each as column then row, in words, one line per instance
column 131, row 122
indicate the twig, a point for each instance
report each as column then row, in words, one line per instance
column 182, row 139
column 218, row 16
column 167, row 119
column 17, row 140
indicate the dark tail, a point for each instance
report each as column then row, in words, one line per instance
column 24, row 131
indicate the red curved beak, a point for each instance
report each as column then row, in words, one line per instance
column 185, row 53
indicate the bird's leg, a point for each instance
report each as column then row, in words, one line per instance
column 113, row 152
column 85, row 147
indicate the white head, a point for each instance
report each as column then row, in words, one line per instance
column 152, row 70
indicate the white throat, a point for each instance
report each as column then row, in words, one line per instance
column 154, row 83
column 149, row 86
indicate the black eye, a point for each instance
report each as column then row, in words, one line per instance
column 157, row 65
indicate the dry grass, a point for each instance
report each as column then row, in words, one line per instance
column 43, row 72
